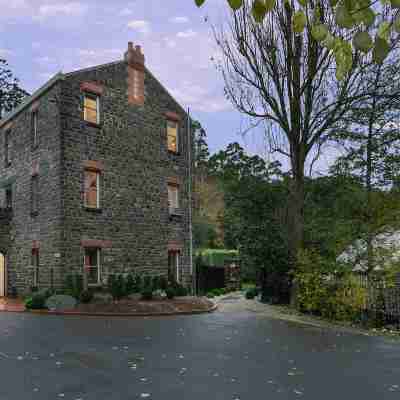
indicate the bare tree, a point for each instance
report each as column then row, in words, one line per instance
column 287, row 80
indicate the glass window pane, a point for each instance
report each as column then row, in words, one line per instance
column 91, row 189
column 172, row 133
column 91, row 102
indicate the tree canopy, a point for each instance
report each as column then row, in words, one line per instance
column 347, row 28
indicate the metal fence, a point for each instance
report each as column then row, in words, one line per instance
column 382, row 306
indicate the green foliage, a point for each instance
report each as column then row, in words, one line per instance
column 37, row 301
column 147, row 293
column 116, row 286
column 138, row 284
column 163, row 283
column 130, row 284
column 251, row 293
column 73, row 285
column 210, row 295
column 326, row 288
column 216, row 257
column 86, row 296
column 170, row 292
column 156, row 283
column 11, row 95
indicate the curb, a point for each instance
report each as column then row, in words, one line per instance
column 109, row 314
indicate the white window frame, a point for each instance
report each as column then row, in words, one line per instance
column 97, row 189
column 176, row 123
column 171, row 207
column 98, row 266
column 176, row 255
column 92, row 96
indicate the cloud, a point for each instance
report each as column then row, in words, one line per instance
column 72, row 9
column 5, row 52
column 170, row 42
column 125, row 11
column 140, row 26
column 186, row 34
column 179, row 20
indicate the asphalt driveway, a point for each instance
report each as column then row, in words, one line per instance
column 231, row 354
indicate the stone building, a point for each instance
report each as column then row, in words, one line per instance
column 95, row 179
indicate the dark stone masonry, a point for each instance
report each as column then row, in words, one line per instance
column 86, row 166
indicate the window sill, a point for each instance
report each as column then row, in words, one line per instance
column 93, row 209
column 93, row 124
column 175, row 214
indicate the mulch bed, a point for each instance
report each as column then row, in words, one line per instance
column 178, row 305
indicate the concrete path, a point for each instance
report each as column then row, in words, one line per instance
column 235, row 353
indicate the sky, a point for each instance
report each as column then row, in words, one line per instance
column 42, row 37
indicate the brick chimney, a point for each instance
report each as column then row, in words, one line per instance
column 135, row 68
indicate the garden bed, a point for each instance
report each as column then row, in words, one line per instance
column 181, row 305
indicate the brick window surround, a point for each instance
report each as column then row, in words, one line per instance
column 91, row 102
column 92, row 184
column 173, row 141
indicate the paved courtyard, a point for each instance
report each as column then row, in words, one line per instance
column 234, row 353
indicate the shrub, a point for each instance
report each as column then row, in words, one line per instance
column 116, row 286
column 210, row 295
column 147, row 282
column 147, row 293
column 74, row 285
column 251, row 293
column 163, row 283
column 155, row 283
column 36, row 302
column 86, row 296
column 170, row 292
column 138, row 284
column 130, row 284
column 325, row 288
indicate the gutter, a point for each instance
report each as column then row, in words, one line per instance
column 7, row 118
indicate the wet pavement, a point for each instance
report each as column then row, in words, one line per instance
column 231, row 354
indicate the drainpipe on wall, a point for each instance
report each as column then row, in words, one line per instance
column 189, row 138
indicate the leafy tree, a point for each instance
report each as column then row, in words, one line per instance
column 345, row 27
column 372, row 143
column 10, row 92
column 282, row 77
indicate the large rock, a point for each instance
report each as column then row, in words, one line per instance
column 60, row 302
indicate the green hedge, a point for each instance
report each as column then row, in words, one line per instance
column 216, row 257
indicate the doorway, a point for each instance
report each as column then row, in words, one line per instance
column 3, row 275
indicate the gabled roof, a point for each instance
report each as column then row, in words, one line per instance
column 30, row 99
column 61, row 76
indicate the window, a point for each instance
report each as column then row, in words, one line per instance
column 173, row 198
column 35, row 194
column 7, row 145
column 172, row 133
column 92, row 189
column 9, row 197
column 35, row 266
column 92, row 265
column 173, row 266
column 91, row 111
column 34, row 127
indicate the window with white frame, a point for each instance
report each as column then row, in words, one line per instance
column 91, row 108
column 172, row 134
column 173, row 198
column 92, row 265
column 92, row 188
